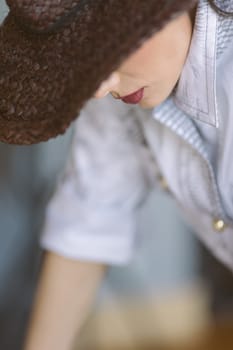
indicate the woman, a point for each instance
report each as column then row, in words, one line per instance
column 169, row 56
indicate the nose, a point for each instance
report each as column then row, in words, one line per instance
column 108, row 85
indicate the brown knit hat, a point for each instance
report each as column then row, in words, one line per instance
column 54, row 55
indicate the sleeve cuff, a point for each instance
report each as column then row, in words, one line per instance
column 110, row 243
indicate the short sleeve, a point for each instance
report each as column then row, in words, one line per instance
column 93, row 213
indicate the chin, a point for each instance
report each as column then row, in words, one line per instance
column 146, row 107
column 148, row 104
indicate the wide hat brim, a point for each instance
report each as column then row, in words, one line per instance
column 49, row 72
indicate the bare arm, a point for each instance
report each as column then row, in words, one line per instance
column 65, row 292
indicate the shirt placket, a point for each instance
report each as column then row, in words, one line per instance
column 184, row 128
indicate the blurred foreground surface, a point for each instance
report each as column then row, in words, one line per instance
column 218, row 337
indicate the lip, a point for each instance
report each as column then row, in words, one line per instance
column 135, row 97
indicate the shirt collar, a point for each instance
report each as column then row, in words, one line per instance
column 196, row 90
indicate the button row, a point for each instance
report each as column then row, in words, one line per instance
column 219, row 225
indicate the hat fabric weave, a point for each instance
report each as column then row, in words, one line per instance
column 54, row 55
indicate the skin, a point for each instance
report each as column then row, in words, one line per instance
column 156, row 65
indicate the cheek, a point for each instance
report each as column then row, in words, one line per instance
column 161, row 82
column 168, row 61
column 162, row 79
column 155, row 66
column 158, row 64
column 144, row 64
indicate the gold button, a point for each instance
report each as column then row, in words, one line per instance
column 163, row 183
column 219, row 225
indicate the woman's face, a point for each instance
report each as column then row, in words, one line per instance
column 154, row 69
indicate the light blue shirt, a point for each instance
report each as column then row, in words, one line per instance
column 119, row 152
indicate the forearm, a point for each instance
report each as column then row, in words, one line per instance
column 65, row 292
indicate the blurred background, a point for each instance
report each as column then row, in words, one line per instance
column 173, row 295
column 27, row 178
